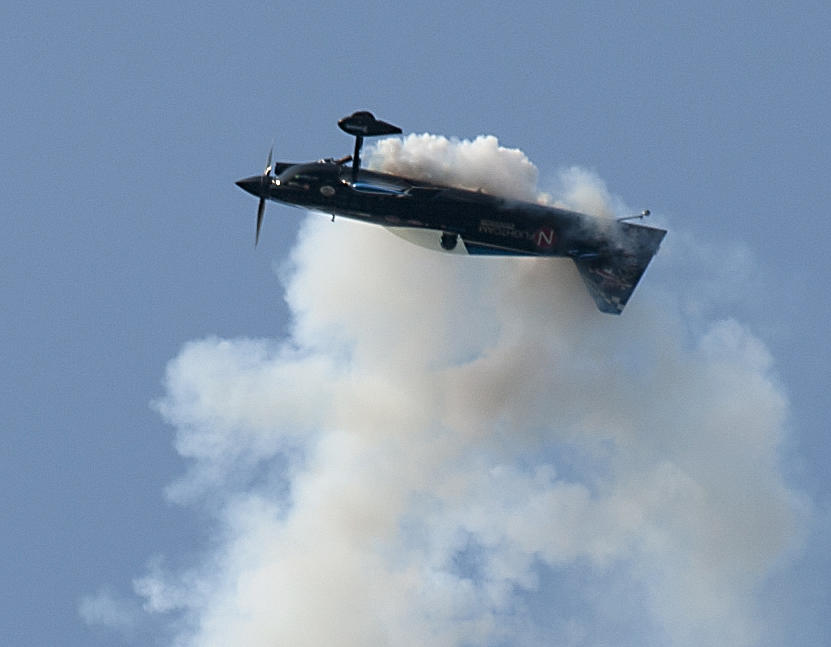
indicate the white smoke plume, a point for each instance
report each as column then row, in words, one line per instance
column 478, row 164
column 455, row 451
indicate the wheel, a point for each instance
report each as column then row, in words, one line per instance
column 448, row 241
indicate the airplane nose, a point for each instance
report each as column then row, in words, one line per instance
column 252, row 185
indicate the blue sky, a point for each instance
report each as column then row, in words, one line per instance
column 125, row 127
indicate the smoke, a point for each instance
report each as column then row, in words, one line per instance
column 478, row 164
column 456, row 451
column 482, row 164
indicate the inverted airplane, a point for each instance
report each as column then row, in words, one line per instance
column 611, row 255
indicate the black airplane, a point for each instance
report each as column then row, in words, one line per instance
column 611, row 255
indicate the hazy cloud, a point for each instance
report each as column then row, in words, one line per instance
column 107, row 609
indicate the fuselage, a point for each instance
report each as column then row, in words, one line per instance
column 489, row 223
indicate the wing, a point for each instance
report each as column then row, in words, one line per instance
column 428, row 238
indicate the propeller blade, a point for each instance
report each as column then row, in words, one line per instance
column 268, row 162
column 260, row 212
column 265, row 181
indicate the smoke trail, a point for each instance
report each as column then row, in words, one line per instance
column 457, row 451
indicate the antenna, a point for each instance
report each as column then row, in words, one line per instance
column 643, row 214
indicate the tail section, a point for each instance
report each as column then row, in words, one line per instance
column 611, row 277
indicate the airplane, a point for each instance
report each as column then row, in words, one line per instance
column 611, row 255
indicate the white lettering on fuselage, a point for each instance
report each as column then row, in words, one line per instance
column 502, row 229
column 542, row 238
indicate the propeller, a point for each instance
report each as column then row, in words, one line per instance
column 266, row 179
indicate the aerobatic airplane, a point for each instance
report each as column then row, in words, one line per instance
column 611, row 255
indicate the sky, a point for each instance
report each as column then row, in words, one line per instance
column 340, row 437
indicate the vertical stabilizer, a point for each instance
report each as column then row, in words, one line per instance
column 612, row 277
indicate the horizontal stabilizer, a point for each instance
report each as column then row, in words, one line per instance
column 364, row 124
column 611, row 279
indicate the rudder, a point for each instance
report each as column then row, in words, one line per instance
column 611, row 278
